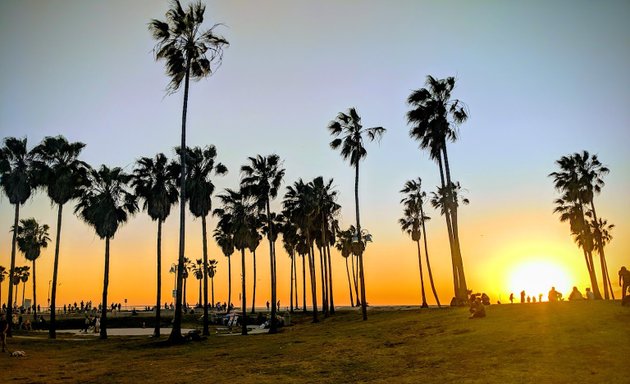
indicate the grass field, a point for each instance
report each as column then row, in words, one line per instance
column 568, row 342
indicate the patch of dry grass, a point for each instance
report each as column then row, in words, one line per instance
column 581, row 342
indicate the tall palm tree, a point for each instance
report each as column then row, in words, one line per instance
column 202, row 166
column 414, row 201
column 225, row 241
column 212, row 271
column 17, row 182
column 238, row 217
column 602, row 236
column 189, row 53
column 105, row 204
column 16, row 278
column 349, row 138
column 32, row 237
column 3, row 276
column 434, row 118
column 154, row 182
column 262, row 178
column 60, row 171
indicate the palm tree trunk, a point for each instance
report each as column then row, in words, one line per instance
column 591, row 274
column 349, row 283
column 463, row 288
column 311, row 266
column 103, row 334
column 602, row 255
column 323, row 280
column 212, row 284
column 303, row 284
column 12, row 268
column 244, row 301
column 426, row 254
column 291, row 283
column 295, row 283
column 158, row 301
column 330, row 283
column 355, row 278
column 254, row 290
column 176, row 332
column 273, row 326
column 206, row 321
column 424, row 297
column 199, row 300
column 229, row 301
column 361, row 270
column 53, row 295
column 23, row 293
column 34, row 294
column 449, row 228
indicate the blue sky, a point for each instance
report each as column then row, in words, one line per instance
column 541, row 80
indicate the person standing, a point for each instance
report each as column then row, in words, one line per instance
column 4, row 329
column 624, row 281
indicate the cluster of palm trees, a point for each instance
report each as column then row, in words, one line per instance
column 578, row 180
column 434, row 118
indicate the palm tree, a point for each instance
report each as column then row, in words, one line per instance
column 185, row 274
column 261, row 180
column 105, row 204
column 189, row 53
column 236, row 216
column 344, row 246
column 414, row 201
column 202, row 165
column 349, row 137
column 32, row 237
column 16, row 277
column 254, row 242
column 154, row 182
column 24, row 278
column 17, row 182
column 3, row 276
column 197, row 270
column 59, row 169
column 434, row 119
column 212, row 270
column 602, row 236
column 225, row 241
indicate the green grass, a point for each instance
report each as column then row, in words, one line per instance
column 568, row 342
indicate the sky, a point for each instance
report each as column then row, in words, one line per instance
column 540, row 79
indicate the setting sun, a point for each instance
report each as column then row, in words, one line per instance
column 537, row 277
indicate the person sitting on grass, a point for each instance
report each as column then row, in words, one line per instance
column 575, row 295
column 477, row 309
column 554, row 295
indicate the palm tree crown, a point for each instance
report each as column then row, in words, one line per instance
column 154, row 181
column 350, row 134
column 184, row 46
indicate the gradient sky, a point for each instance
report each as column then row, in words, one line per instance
column 541, row 80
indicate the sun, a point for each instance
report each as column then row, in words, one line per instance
column 537, row 277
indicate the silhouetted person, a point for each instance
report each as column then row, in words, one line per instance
column 533, row 299
column 529, row 299
column 554, row 295
column 485, row 299
column 522, row 297
column 624, row 281
column 576, row 295
column 477, row 309
column 589, row 294
column 4, row 328
column 540, row 297
column 511, row 298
